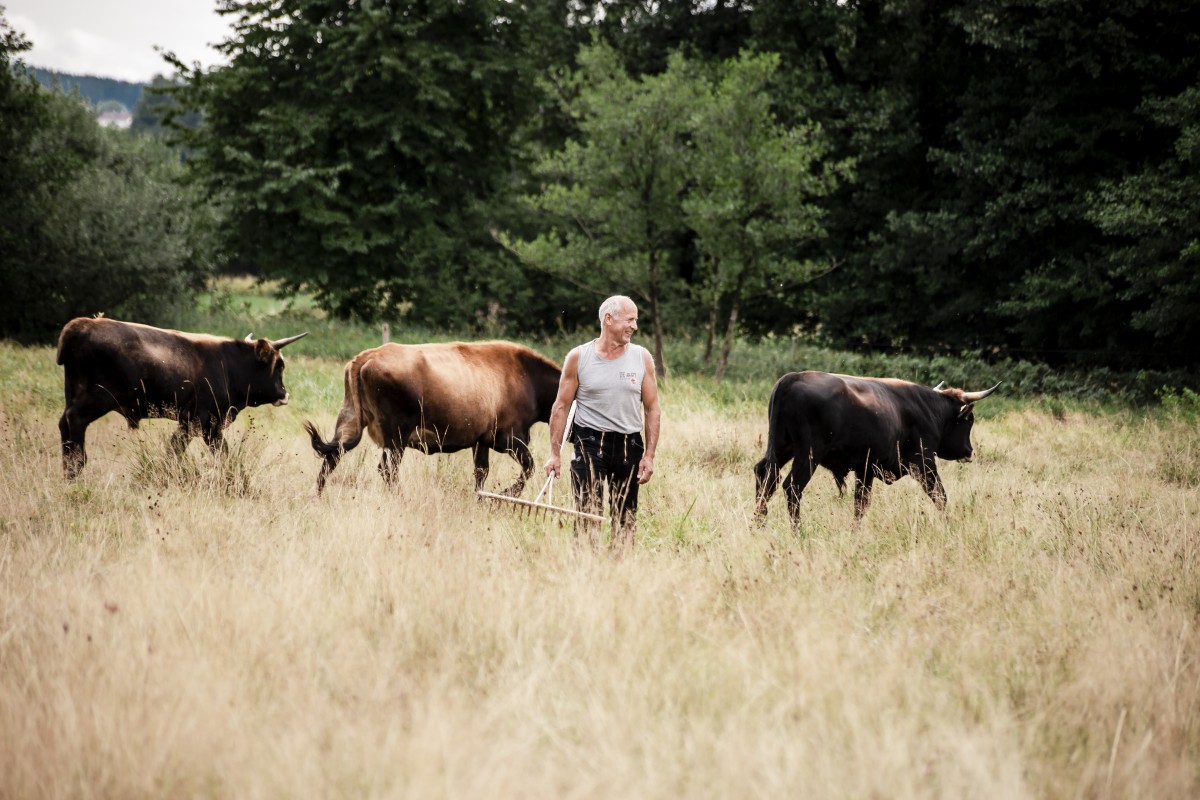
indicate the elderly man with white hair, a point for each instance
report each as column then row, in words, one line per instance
column 612, row 384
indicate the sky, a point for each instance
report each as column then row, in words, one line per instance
column 116, row 38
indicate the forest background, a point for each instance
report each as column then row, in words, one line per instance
column 1012, row 182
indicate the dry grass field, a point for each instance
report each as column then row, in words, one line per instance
column 205, row 627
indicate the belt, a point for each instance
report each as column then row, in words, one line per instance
column 582, row 430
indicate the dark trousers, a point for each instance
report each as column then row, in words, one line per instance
column 604, row 458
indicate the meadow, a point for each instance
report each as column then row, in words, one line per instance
column 205, row 627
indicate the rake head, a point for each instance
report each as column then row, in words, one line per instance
column 538, row 510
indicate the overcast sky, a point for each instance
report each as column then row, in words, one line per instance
column 116, row 38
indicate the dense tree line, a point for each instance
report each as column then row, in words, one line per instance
column 92, row 88
column 1009, row 178
column 93, row 220
column 1023, row 169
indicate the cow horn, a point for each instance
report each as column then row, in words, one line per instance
column 250, row 336
column 975, row 397
column 278, row 345
column 938, row 388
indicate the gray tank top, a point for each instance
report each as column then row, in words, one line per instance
column 610, row 392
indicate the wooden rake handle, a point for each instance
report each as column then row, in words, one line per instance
column 549, row 484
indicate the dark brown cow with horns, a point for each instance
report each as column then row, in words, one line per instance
column 874, row 427
column 442, row 398
column 200, row 380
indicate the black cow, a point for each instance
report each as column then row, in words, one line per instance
column 442, row 398
column 873, row 427
column 143, row 372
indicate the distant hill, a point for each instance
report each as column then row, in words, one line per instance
column 95, row 90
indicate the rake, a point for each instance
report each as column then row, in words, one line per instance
column 535, row 507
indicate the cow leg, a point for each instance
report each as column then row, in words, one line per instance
column 766, row 480
column 328, row 464
column 73, row 425
column 479, row 454
column 862, row 492
column 73, row 431
column 793, row 489
column 74, row 455
column 932, row 483
column 389, row 463
column 211, row 430
column 182, row 435
column 519, row 450
column 766, row 476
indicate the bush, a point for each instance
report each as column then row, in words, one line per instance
column 95, row 220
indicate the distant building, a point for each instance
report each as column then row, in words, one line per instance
column 114, row 119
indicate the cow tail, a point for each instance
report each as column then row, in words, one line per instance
column 774, row 426
column 322, row 447
column 353, row 381
column 766, row 471
column 68, row 331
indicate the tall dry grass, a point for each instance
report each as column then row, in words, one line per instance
column 205, row 627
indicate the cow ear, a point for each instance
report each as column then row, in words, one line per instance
column 264, row 351
column 965, row 410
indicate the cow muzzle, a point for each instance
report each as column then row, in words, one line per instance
column 282, row 402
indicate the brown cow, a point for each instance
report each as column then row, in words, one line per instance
column 442, row 398
column 200, row 380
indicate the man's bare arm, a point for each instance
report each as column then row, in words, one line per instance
column 653, row 416
column 568, row 385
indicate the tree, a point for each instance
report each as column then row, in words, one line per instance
column 157, row 112
column 884, row 86
column 364, row 148
column 991, row 142
column 646, row 32
column 751, row 198
column 614, row 195
column 93, row 218
column 93, row 89
column 23, row 111
column 1153, row 218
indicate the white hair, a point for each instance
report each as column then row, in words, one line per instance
column 613, row 305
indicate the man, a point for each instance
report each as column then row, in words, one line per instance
column 612, row 384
